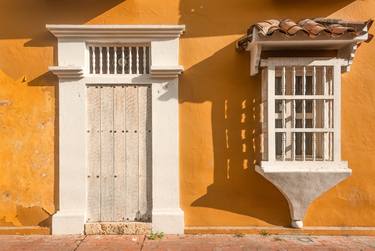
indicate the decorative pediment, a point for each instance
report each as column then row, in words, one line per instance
column 92, row 49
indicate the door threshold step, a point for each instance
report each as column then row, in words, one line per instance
column 119, row 228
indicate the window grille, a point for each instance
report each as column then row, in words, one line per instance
column 119, row 59
column 304, row 101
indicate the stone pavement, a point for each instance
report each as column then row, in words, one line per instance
column 185, row 242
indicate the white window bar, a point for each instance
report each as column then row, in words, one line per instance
column 94, row 60
column 122, row 60
column 311, row 132
column 115, row 60
column 100, row 60
column 108, row 60
column 137, row 59
column 283, row 114
column 304, row 113
column 314, row 113
column 144, row 60
column 294, row 113
column 90, row 59
column 283, row 100
column 326, row 115
column 270, row 78
column 130, row 60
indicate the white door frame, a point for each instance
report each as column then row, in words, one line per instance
column 73, row 74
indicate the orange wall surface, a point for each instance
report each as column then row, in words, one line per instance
column 219, row 110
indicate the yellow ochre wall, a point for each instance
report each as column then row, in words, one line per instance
column 219, row 110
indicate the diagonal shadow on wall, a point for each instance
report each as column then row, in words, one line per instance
column 223, row 80
column 235, row 134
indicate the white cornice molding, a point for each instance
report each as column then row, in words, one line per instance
column 67, row 71
column 166, row 71
column 115, row 31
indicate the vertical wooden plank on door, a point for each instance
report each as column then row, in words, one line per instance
column 119, row 154
column 131, row 122
column 93, row 139
column 143, row 145
column 149, row 151
column 106, row 179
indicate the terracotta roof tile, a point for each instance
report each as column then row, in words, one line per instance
column 312, row 28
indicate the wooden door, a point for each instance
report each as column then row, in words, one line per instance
column 119, row 152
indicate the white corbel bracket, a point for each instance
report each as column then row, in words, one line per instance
column 67, row 72
column 166, row 71
column 301, row 186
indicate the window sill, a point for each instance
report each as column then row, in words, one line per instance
column 304, row 166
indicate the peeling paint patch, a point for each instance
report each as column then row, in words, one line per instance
column 31, row 216
column 4, row 102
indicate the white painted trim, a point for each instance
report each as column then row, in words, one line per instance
column 115, row 31
column 73, row 73
column 66, row 71
column 255, row 51
column 304, row 166
column 337, row 112
column 166, row 71
column 270, row 80
column 302, row 61
column 346, row 48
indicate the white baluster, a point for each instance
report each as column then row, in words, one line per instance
column 144, row 59
column 137, row 59
column 130, row 61
column 122, row 60
column 107, row 60
column 94, row 60
column 115, row 59
column 100, row 60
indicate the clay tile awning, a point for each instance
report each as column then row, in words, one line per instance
column 307, row 34
column 305, row 29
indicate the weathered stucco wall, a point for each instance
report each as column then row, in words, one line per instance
column 219, row 110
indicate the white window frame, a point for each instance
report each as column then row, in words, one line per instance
column 268, row 102
column 73, row 74
column 299, row 181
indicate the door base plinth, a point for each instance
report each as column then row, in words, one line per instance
column 108, row 228
column 67, row 222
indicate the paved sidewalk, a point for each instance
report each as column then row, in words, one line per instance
column 185, row 242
